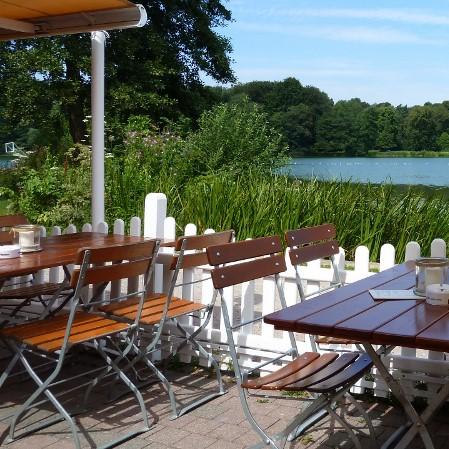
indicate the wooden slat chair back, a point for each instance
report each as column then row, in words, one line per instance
column 328, row 375
column 54, row 336
column 21, row 292
column 166, row 311
column 6, row 223
column 313, row 243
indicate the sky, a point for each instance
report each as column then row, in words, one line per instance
column 383, row 50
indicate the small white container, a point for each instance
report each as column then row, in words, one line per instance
column 28, row 237
column 437, row 295
column 431, row 270
column 9, row 251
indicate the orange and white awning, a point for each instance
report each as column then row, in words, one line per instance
column 23, row 19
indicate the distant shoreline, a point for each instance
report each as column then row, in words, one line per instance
column 378, row 154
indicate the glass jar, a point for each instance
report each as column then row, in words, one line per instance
column 28, row 237
column 430, row 270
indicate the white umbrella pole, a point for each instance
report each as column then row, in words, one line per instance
column 97, row 98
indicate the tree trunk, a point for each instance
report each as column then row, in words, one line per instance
column 75, row 107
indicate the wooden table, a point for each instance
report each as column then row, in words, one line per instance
column 58, row 251
column 350, row 312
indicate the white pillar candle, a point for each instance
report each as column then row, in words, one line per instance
column 26, row 239
column 437, row 294
column 434, row 275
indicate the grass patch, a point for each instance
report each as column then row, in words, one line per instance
column 296, row 394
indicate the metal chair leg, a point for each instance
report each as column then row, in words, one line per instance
column 128, row 383
column 10, row 367
column 204, row 353
column 92, row 385
column 42, row 389
column 173, row 403
column 365, row 416
column 346, row 426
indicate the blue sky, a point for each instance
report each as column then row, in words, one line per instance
column 396, row 51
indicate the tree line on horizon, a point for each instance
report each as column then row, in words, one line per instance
column 313, row 124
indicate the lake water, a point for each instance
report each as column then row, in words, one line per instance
column 415, row 171
column 6, row 163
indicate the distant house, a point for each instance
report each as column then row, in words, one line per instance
column 10, row 147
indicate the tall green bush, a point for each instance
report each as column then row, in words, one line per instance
column 233, row 137
column 55, row 194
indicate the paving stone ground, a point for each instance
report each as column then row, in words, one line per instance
column 219, row 424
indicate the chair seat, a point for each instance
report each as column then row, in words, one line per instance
column 30, row 291
column 314, row 372
column 334, row 341
column 153, row 308
column 48, row 334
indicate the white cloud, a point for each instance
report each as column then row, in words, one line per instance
column 366, row 34
column 386, row 14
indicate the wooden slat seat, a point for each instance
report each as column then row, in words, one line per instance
column 48, row 334
column 349, row 375
column 152, row 308
column 31, row 291
column 286, row 371
column 315, row 372
column 316, row 366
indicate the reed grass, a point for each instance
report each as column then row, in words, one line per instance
column 370, row 215
column 256, row 204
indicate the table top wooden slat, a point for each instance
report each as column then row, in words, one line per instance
column 362, row 326
column 436, row 336
column 407, row 326
column 286, row 319
column 60, row 250
column 350, row 312
column 352, row 307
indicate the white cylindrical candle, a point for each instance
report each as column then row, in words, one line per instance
column 26, row 239
column 437, row 294
column 434, row 275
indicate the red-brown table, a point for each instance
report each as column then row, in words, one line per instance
column 60, row 250
column 350, row 312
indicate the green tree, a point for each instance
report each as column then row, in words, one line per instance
column 339, row 131
column 443, row 141
column 368, row 128
column 293, row 108
column 420, row 129
column 387, row 128
column 155, row 70
column 232, row 137
column 296, row 125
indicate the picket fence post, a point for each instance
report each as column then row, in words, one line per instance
column 153, row 227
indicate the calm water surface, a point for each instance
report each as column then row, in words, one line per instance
column 6, row 163
column 415, row 171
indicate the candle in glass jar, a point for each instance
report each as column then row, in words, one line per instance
column 437, row 294
column 26, row 239
column 434, row 275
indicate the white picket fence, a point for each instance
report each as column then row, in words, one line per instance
column 421, row 371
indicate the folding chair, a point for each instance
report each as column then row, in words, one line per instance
column 52, row 338
column 305, row 245
column 328, row 377
column 162, row 309
column 21, row 293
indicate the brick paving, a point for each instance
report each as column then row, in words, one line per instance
column 219, row 424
